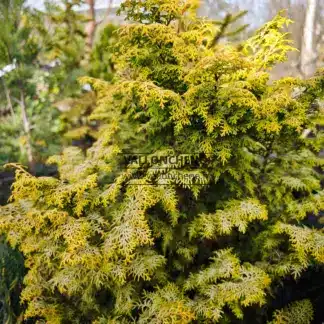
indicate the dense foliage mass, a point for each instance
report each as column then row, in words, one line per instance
column 47, row 50
column 199, row 240
column 43, row 50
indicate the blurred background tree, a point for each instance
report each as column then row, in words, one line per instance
column 29, row 124
column 18, row 49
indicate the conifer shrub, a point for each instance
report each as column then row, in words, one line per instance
column 101, row 61
column 212, row 220
column 78, row 129
column 11, row 276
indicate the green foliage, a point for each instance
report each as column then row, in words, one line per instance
column 75, row 120
column 235, row 214
column 16, row 38
column 269, row 45
column 64, row 42
column 19, row 43
column 10, row 147
column 226, row 282
column 157, row 11
column 45, row 135
column 225, row 30
column 35, row 40
column 77, row 125
column 102, row 61
column 299, row 312
column 68, row 34
column 112, row 240
column 11, row 276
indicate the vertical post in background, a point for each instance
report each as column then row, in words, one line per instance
column 308, row 51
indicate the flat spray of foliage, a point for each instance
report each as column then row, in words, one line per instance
column 108, row 242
